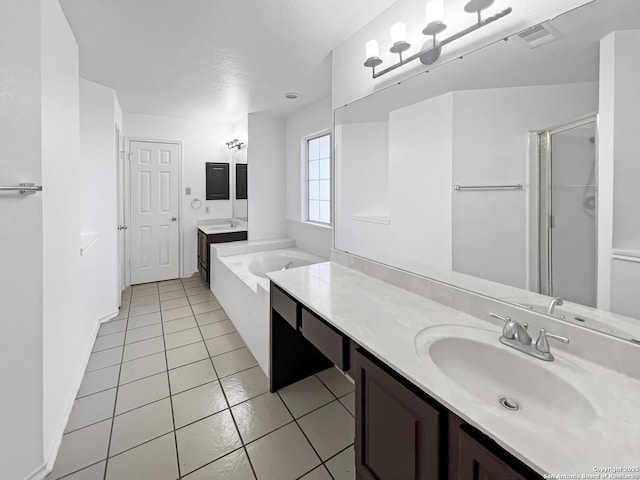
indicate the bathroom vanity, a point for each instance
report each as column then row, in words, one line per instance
column 215, row 233
column 401, row 432
column 429, row 380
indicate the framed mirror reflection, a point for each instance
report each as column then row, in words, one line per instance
column 518, row 182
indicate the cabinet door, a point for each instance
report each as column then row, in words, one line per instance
column 217, row 181
column 205, row 251
column 200, row 251
column 397, row 432
column 477, row 462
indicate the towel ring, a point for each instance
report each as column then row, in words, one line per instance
column 196, row 203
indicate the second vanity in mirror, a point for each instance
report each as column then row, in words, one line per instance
column 513, row 182
column 224, row 181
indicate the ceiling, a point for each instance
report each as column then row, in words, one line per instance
column 215, row 59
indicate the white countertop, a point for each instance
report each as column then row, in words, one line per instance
column 221, row 228
column 385, row 320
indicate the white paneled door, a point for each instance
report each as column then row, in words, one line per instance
column 153, row 226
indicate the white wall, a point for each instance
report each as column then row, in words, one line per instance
column 99, row 114
column 618, row 167
column 67, row 332
column 351, row 81
column 202, row 142
column 625, row 278
column 314, row 119
column 362, row 180
column 490, row 148
column 418, row 235
column 21, row 240
column 267, row 176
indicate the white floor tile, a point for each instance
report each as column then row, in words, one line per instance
column 141, row 425
column 198, row 445
column 155, row 460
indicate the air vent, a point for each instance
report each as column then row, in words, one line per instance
column 539, row 35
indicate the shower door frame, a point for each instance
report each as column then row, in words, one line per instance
column 545, row 199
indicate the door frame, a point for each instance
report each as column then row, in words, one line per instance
column 121, row 250
column 127, row 205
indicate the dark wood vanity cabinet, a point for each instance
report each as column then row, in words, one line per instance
column 397, row 432
column 204, row 247
column 476, row 461
column 401, row 432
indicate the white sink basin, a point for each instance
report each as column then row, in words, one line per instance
column 476, row 362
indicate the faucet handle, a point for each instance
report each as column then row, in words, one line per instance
column 542, row 344
column 509, row 329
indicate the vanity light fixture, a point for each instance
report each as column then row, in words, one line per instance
column 432, row 49
column 235, row 143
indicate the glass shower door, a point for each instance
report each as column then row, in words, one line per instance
column 571, row 198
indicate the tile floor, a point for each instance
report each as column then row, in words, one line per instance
column 171, row 392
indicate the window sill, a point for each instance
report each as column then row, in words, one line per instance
column 319, row 225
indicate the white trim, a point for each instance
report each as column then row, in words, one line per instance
column 315, row 224
column 48, row 467
column 127, row 210
column 632, row 256
column 304, row 190
column 39, row 473
column 371, row 218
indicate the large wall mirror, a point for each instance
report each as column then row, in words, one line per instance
column 239, row 183
column 513, row 172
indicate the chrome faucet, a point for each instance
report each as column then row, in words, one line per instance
column 232, row 223
column 555, row 302
column 287, row 266
column 516, row 335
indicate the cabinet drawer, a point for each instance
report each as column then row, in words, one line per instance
column 226, row 237
column 330, row 342
column 284, row 305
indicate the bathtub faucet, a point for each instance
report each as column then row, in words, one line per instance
column 287, row 266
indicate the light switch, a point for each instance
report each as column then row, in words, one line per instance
column 187, row 191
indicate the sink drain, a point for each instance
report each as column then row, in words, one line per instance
column 509, row 403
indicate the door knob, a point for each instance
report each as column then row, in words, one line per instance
column 173, row 219
column 122, row 227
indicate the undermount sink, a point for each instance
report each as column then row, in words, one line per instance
column 503, row 378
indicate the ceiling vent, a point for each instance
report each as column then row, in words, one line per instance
column 539, row 35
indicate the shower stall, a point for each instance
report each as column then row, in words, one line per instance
column 567, row 204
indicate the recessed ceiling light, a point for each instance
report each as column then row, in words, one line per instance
column 291, row 95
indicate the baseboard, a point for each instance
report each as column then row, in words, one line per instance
column 76, row 386
column 39, row 473
column 107, row 317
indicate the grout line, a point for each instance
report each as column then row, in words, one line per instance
column 77, row 471
column 224, row 394
column 213, row 461
column 113, row 419
column 303, row 434
column 173, row 419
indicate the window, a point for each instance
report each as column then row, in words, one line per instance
column 318, row 191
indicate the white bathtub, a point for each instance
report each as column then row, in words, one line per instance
column 252, row 268
column 240, row 284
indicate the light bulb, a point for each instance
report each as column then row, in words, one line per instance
column 372, row 49
column 434, row 11
column 398, row 32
